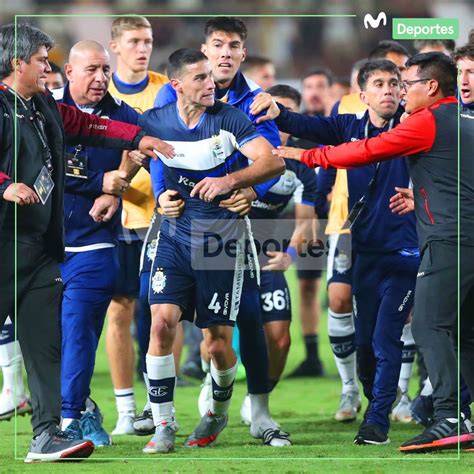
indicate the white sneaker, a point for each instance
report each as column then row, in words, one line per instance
column 271, row 435
column 402, row 412
column 205, row 397
column 124, row 425
column 7, row 405
column 348, row 407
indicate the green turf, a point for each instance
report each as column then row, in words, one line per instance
column 303, row 407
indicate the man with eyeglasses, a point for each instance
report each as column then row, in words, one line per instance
column 384, row 249
column 443, row 190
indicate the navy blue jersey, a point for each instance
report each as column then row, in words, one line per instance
column 377, row 229
column 298, row 181
column 207, row 150
column 240, row 94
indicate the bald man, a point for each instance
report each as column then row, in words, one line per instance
column 93, row 189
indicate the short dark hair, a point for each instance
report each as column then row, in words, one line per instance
column 448, row 44
column 28, row 41
column 183, row 57
column 388, row 46
column 436, row 66
column 375, row 65
column 254, row 61
column 228, row 24
column 320, row 71
column 288, row 92
column 466, row 51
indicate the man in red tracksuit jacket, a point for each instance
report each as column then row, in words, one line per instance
column 32, row 155
column 429, row 137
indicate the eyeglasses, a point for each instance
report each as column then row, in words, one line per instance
column 406, row 84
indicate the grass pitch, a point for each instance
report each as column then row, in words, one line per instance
column 304, row 407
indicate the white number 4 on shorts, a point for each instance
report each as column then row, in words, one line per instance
column 215, row 305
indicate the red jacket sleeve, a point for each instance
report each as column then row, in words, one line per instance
column 81, row 127
column 415, row 134
column 4, row 177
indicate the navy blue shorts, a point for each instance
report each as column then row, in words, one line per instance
column 340, row 259
column 275, row 302
column 213, row 294
column 128, row 277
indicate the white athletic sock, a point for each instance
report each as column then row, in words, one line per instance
column 259, row 405
column 342, row 338
column 205, row 366
column 66, row 422
column 162, row 378
column 222, row 387
column 408, row 358
column 11, row 362
column 427, row 389
column 125, row 400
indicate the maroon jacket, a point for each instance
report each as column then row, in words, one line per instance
column 64, row 124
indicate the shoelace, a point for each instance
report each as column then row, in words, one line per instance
column 67, row 436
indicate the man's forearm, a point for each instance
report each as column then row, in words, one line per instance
column 129, row 166
column 259, row 171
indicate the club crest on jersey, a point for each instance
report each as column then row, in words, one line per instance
column 288, row 180
column 158, row 282
column 216, row 148
column 151, row 249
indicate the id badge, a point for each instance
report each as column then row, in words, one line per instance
column 354, row 214
column 76, row 166
column 43, row 185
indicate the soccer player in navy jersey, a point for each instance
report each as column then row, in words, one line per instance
column 225, row 49
column 206, row 168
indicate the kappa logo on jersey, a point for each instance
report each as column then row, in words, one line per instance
column 159, row 391
column 217, row 148
column 186, row 181
column 158, row 282
column 151, row 249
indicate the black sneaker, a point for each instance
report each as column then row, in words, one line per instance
column 308, row 368
column 193, row 369
column 55, row 445
column 443, row 434
column 370, row 434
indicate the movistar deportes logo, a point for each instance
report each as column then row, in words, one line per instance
column 375, row 22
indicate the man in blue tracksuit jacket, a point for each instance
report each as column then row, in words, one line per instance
column 91, row 263
column 385, row 245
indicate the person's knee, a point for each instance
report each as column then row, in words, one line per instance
column 120, row 313
column 340, row 304
column 281, row 344
column 308, row 288
column 218, row 347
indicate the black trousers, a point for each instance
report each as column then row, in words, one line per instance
column 435, row 322
column 38, row 290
